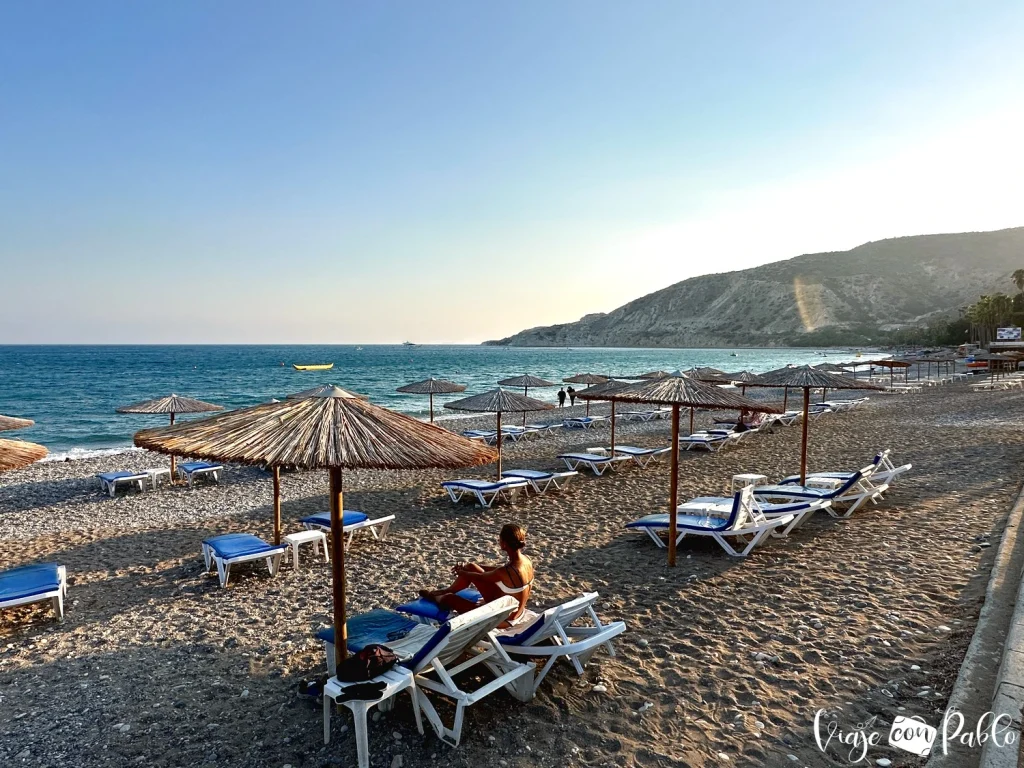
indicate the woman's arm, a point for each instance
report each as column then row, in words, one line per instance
column 492, row 576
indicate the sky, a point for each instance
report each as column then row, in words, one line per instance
column 342, row 172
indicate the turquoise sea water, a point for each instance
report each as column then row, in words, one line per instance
column 72, row 391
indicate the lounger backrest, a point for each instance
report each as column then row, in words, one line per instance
column 855, row 481
column 457, row 635
column 547, row 624
column 745, row 509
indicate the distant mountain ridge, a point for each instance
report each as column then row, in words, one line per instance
column 879, row 285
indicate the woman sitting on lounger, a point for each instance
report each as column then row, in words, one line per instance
column 514, row 577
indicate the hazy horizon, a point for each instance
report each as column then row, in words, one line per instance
column 229, row 172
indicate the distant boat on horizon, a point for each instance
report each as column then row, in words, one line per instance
column 318, row 367
column 408, row 344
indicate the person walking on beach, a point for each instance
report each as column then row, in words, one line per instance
column 561, row 398
column 572, row 396
column 514, row 577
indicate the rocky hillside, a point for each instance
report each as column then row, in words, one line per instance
column 882, row 285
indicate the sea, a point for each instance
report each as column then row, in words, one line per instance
column 72, row 391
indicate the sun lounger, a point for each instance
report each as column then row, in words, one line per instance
column 542, row 427
column 191, row 470
column 885, row 472
column 636, row 415
column 707, row 441
column 234, row 548
column 34, row 584
column 584, row 422
column 642, row 456
column 110, row 480
column 352, row 522
column 429, row 652
column 721, row 506
column 851, row 495
column 744, row 523
column 428, row 612
column 592, row 461
column 539, row 481
column 486, row 492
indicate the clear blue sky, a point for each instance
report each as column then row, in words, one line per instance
column 449, row 171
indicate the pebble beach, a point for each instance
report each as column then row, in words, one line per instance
column 725, row 661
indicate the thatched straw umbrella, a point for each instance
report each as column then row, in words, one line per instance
column 172, row 405
column 320, row 391
column 891, row 365
column 498, row 401
column 526, row 381
column 829, row 368
column 334, row 431
column 654, row 375
column 432, row 387
column 15, row 454
column 807, row 378
column 741, row 378
column 13, row 422
column 707, row 375
column 590, row 379
column 680, row 391
column 600, row 392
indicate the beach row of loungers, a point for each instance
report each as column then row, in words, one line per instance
column 757, row 511
column 190, row 471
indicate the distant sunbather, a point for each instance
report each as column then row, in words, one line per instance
column 514, row 577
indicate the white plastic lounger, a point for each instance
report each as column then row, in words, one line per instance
column 351, row 523
column 428, row 653
column 486, row 492
column 642, row 456
column 539, row 481
column 636, row 415
column 721, row 506
column 592, row 461
column 885, row 472
column 110, row 480
column 553, row 635
column 191, row 470
column 584, row 422
column 705, row 441
column 234, row 548
column 744, row 523
column 34, row 584
column 851, row 495
column 542, row 427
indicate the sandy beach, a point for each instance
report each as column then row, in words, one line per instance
column 155, row 665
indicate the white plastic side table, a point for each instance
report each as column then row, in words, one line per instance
column 316, row 538
column 740, row 482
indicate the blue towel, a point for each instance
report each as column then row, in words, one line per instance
column 238, row 544
column 532, row 474
column 348, row 517
column 192, row 466
column 432, row 611
column 376, row 626
column 28, row 580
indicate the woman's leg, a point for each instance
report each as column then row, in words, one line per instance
column 462, row 581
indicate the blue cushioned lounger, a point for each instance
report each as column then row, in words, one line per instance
column 232, row 548
column 191, row 470
column 110, row 480
column 486, row 492
column 33, row 584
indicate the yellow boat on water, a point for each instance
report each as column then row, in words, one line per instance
column 322, row 367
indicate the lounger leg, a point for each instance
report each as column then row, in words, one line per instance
column 362, row 737
column 274, row 563
column 415, row 694
column 58, row 605
column 328, row 706
column 223, row 571
column 329, row 650
column 206, row 557
column 653, row 534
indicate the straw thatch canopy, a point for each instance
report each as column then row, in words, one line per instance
column 601, row 391
column 708, row 375
column 15, row 454
column 891, row 363
column 526, row 381
column 830, row 368
column 654, row 375
column 432, row 386
column 691, row 393
column 586, row 378
column 172, row 404
column 334, row 429
column 805, row 376
column 741, row 376
column 12, row 422
column 499, row 401
column 324, row 390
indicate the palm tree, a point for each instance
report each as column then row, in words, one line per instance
column 1018, row 279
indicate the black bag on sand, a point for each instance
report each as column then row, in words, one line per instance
column 373, row 660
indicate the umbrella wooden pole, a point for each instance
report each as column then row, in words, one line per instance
column 613, row 428
column 691, row 421
column 588, row 407
column 673, row 492
column 431, row 396
column 338, row 567
column 824, row 393
column 499, row 444
column 803, row 445
column 785, row 397
column 277, row 506
column 525, row 394
column 172, row 455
